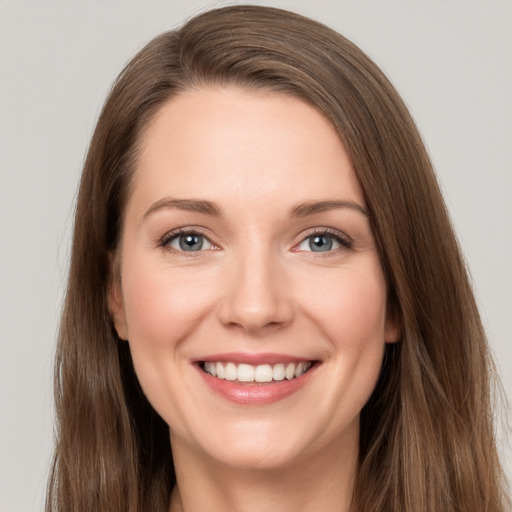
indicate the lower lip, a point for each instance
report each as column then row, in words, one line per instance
column 255, row 393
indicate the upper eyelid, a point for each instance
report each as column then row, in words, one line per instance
column 193, row 230
column 344, row 241
column 327, row 231
column 171, row 235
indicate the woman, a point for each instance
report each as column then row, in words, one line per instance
column 264, row 273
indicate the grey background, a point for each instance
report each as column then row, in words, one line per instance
column 451, row 61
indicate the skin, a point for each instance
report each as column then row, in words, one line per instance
column 256, row 286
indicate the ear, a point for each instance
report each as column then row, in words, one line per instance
column 115, row 301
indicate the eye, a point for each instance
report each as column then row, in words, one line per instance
column 187, row 242
column 323, row 242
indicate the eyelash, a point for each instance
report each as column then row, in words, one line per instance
column 345, row 241
column 169, row 237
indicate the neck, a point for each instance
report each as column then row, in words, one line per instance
column 321, row 481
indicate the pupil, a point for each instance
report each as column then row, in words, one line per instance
column 191, row 242
column 320, row 243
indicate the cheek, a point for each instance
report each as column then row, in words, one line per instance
column 352, row 317
column 163, row 306
column 351, row 305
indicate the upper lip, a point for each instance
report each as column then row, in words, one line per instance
column 252, row 359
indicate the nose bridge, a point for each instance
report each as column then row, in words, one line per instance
column 257, row 295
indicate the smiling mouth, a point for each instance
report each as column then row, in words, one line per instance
column 260, row 374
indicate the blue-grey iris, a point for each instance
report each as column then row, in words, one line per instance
column 191, row 242
column 320, row 243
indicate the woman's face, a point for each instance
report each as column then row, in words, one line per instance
column 251, row 292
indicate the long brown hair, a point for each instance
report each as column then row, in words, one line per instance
column 427, row 440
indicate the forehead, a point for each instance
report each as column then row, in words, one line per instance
column 237, row 143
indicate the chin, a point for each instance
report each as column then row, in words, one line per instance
column 270, row 445
column 259, row 457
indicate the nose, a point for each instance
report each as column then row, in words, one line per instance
column 257, row 295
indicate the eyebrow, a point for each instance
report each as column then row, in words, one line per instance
column 210, row 208
column 313, row 207
column 189, row 205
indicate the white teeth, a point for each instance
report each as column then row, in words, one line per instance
column 245, row 373
column 263, row 373
column 260, row 373
column 278, row 372
column 220, row 370
column 289, row 373
column 230, row 371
